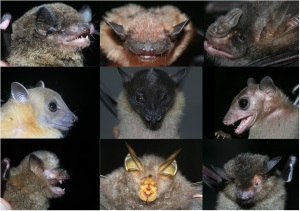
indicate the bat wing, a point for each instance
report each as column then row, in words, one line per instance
column 288, row 169
column 211, row 179
column 283, row 59
column 108, row 100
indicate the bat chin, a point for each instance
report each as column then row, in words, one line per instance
column 213, row 50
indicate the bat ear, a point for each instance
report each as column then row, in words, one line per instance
column 36, row 165
column 292, row 23
column 40, row 84
column 86, row 13
column 251, row 81
column 169, row 167
column 46, row 22
column 178, row 29
column 132, row 163
column 177, row 77
column 118, row 29
column 220, row 172
column 5, row 165
column 271, row 164
column 19, row 92
column 287, row 171
column 267, row 85
column 126, row 77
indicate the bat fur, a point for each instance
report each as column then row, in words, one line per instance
column 49, row 35
column 132, row 35
column 35, row 113
column 35, row 181
column 251, row 182
column 133, row 124
column 265, row 111
column 259, row 29
column 120, row 189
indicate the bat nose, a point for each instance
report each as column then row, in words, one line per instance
column 147, row 48
column 152, row 118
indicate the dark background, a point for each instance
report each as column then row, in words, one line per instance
column 228, row 82
column 218, row 152
column 79, row 88
column 189, row 160
column 191, row 124
column 17, row 9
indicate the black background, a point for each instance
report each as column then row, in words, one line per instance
column 91, row 53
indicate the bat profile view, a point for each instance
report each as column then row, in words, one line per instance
column 264, row 110
column 35, row 113
column 259, row 33
column 149, row 183
column 151, row 104
column 132, row 35
column 35, row 181
column 50, row 35
column 250, row 181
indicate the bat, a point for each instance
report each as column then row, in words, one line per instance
column 151, row 104
column 149, row 182
column 50, row 35
column 250, row 181
column 35, row 113
column 132, row 35
column 36, row 180
column 259, row 33
column 264, row 110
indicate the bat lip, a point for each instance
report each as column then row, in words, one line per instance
column 246, row 123
column 81, row 40
column 211, row 49
column 147, row 57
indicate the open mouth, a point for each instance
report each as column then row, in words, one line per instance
column 216, row 51
column 147, row 57
column 79, row 41
column 57, row 187
column 244, row 123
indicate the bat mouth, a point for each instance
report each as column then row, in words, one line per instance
column 80, row 41
column 147, row 57
column 58, row 187
column 62, row 127
column 213, row 50
column 245, row 123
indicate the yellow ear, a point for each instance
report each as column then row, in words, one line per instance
column 169, row 167
column 129, row 164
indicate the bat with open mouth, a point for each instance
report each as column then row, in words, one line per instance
column 132, row 35
column 259, row 33
column 264, row 110
column 35, row 113
column 149, row 183
column 250, row 181
column 50, row 35
column 34, row 181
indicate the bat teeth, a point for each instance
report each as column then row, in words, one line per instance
column 60, row 181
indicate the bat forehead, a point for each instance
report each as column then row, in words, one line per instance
column 43, row 96
column 50, row 160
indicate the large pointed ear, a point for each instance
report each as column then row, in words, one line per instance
column 46, row 22
column 271, row 164
column 125, row 76
column 287, row 171
column 131, row 162
column 251, row 81
column 19, row 92
column 220, row 172
column 178, row 77
column 86, row 13
column 40, row 84
column 178, row 29
column 36, row 165
column 292, row 23
column 169, row 167
column 267, row 85
column 118, row 29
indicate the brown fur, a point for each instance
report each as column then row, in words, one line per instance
column 144, row 24
column 27, row 186
column 30, row 49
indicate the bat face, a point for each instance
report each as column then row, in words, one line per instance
column 242, row 36
column 151, row 94
column 249, row 104
column 144, row 37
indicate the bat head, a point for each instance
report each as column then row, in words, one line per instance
column 249, row 177
column 49, row 108
column 152, row 175
column 250, row 103
column 151, row 93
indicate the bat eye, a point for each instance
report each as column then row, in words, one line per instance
column 242, row 38
column 52, row 107
column 243, row 103
column 164, row 98
column 139, row 99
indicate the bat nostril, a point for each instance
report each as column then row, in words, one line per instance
column 148, row 118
